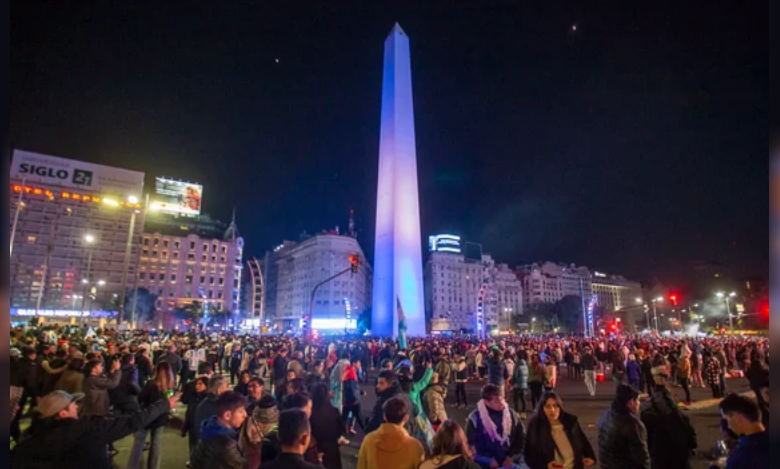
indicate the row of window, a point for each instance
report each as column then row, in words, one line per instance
column 177, row 244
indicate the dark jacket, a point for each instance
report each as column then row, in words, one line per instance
column 190, row 423
column 289, row 461
column 540, row 446
column 485, row 448
column 671, row 438
column 496, row 371
column 377, row 415
column 125, row 396
column 78, row 444
column 206, row 409
column 25, row 376
column 96, row 389
column 326, row 427
column 217, row 448
column 751, row 453
column 280, row 368
column 589, row 362
column 150, row 394
column 173, row 360
column 145, row 369
column 622, row 441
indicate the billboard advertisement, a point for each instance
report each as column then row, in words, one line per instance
column 47, row 170
column 177, row 197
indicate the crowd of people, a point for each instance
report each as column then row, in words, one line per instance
column 267, row 402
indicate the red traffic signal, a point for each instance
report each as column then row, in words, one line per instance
column 674, row 299
column 355, row 261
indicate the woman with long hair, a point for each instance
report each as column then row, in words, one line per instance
column 162, row 386
column 555, row 438
column 536, row 378
column 450, row 449
column 327, row 426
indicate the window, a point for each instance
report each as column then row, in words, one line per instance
column 191, row 256
column 176, row 245
column 192, row 245
column 221, row 281
column 145, row 252
column 175, row 254
column 214, row 248
column 173, row 278
column 152, row 277
column 204, row 258
column 165, row 243
column 189, row 280
column 32, row 239
column 154, row 253
column 162, row 277
column 205, row 247
column 146, row 241
column 224, row 249
column 142, row 276
column 156, row 242
column 202, row 280
column 224, row 259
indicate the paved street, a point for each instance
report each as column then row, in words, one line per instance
column 576, row 401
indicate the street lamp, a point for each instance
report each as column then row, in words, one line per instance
column 727, row 298
column 133, row 200
column 655, row 302
column 89, row 240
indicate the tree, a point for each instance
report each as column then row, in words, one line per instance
column 190, row 313
column 569, row 313
column 220, row 316
column 545, row 314
column 145, row 305
column 364, row 321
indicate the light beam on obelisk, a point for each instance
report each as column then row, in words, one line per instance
column 398, row 257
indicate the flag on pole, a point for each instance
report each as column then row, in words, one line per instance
column 402, row 344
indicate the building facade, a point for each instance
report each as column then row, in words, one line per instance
column 191, row 261
column 299, row 267
column 548, row 282
column 455, row 287
column 616, row 293
column 70, row 223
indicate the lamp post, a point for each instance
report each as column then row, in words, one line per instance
column 724, row 296
column 128, row 247
column 89, row 240
column 655, row 311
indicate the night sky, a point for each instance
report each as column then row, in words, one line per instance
column 635, row 144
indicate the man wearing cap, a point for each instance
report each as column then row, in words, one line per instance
column 60, row 439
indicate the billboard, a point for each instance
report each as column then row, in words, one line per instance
column 177, row 197
column 46, row 170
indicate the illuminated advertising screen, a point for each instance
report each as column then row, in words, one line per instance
column 177, row 197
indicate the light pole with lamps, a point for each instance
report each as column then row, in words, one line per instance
column 724, row 296
column 89, row 240
column 133, row 201
column 660, row 299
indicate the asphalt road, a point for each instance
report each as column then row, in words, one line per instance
column 576, row 401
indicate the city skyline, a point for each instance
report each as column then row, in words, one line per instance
column 535, row 140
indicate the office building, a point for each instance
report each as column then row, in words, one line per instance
column 548, row 282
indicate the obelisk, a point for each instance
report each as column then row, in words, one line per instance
column 398, row 270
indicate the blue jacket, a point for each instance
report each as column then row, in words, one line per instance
column 751, row 453
column 634, row 372
column 487, row 449
column 496, row 372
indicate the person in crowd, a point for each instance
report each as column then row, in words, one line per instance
column 421, row 427
column 260, row 422
column 208, row 407
column 496, row 370
column 634, row 372
column 550, row 373
column 555, row 438
column 519, row 383
column 161, row 386
column 174, row 360
column 236, row 357
column 144, row 365
column 618, row 368
column 743, row 417
column 256, row 390
column 327, row 426
column 589, row 364
column 271, row 444
column 671, row 438
column 450, row 449
column 622, row 436
column 351, row 408
column 72, row 381
column 461, row 378
column 62, row 439
column 336, row 381
column 536, row 378
column 52, row 369
column 296, row 364
column 576, row 364
column 391, row 447
column 316, row 374
column 495, row 432
column 280, row 377
column 15, row 397
column 243, row 383
column 712, row 372
column 217, row 447
column 757, row 375
column 96, row 387
column 433, row 402
column 444, row 370
column 125, row 396
column 294, row 436
column 684, row 376
column 196, row 397
column 205, row 370
column 388, row 388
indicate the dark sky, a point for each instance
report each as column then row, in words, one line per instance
column 635, row 145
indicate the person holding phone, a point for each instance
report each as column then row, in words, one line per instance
column 161, row 387
column 555, row 439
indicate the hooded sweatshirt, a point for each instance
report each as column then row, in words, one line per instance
column 390, row 447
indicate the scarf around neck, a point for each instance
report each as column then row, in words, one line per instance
column 490, row 427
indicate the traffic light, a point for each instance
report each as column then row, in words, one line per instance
column 674, row 298
column 355, row 261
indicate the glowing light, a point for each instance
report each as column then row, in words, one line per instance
column 89, row 238
column 75, row 197
column 38, row 191
column 111, row 202
column 17, row 188
column 333, row 324
column 86, row 198
column 66, row 195
column 132, row 199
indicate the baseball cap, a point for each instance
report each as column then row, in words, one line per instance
column 16, row 353
column 56, row 402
